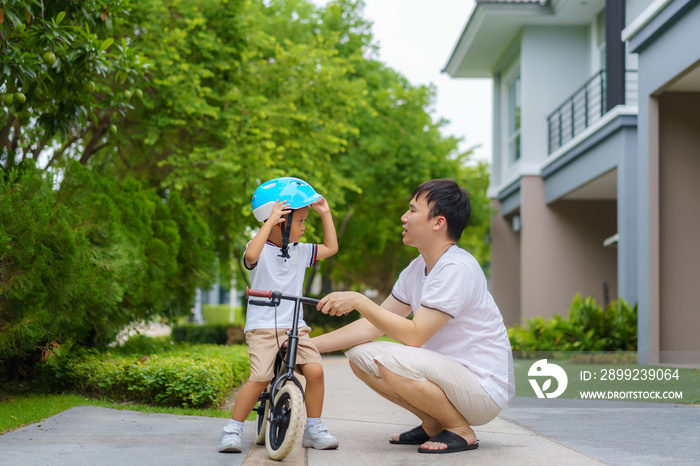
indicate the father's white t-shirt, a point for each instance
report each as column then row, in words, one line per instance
column 476, row 335
column 275, row 273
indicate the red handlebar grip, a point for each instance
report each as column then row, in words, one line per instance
column 258, row 293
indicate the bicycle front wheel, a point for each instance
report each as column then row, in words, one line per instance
column 285, row 422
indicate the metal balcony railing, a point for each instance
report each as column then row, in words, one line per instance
column 585, row 107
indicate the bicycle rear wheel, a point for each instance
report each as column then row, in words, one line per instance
column 285, row 422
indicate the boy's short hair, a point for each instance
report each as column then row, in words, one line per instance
column 445, row 197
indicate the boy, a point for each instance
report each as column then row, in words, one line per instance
column 277, row 261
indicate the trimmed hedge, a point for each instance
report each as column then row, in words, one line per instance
column 188, row 376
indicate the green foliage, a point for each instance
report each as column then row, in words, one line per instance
column 39, row 248
column 230, row 101
column 71, row 67
column 176, row 110
column 240, row 92
column 588, row 327
column 397, row 148
column 475, row 178
column 142, row 344
column 80, row 262
column 187, row 376
column 216, row 334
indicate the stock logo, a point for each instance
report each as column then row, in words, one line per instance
column 542, row 369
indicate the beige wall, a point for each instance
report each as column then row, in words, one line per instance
column 505, row 266
column 562, row 251
column 679, row 222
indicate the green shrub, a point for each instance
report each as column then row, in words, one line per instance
column 215, row 334
column 187, row 376
column 83, row 257
column 142, row 344
column 317, row 330
column 588, row 327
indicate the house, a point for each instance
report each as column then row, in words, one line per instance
column 596, row 159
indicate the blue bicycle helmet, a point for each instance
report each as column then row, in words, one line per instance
column 298, row 193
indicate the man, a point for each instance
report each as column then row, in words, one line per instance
column 454, row 367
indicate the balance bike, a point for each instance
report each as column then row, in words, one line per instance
column 280, row 410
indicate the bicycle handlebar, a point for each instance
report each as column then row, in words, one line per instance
column 276, row 295
column 257, row 293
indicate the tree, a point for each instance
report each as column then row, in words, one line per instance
column 79, row 263
column 82, row 254
column 275, row 88
column 397, row 148
column 475, row 178
column 67, row 77
column 231, row 106
column 233, row 93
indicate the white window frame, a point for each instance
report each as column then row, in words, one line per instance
column 512, row 135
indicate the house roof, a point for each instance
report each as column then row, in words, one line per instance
column 494, row 24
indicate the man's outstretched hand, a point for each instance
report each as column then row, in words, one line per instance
column 340, row 303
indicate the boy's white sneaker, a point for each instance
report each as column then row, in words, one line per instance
column 318, row 437
column 230, row 440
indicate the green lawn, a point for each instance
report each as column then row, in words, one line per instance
column 19, row 410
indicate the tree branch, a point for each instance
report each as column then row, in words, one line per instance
column 5, row 131
column 85, row 157
column 59, row 153
column 93, row 145
column 40, row 147
column 344, row 223
column 17, row 138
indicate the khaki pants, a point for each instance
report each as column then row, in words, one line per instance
column 460, row 385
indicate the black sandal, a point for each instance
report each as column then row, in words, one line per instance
column 415, row 436
column 453, row 441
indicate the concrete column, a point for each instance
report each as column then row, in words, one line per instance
column 562, row 250
column 679, row 227
column 505, row 266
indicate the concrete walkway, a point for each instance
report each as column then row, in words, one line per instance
column 571, row 432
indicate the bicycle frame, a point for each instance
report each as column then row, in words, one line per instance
column 274, row 299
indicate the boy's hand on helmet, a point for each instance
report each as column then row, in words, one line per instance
column 321, row 206
column 279, row 209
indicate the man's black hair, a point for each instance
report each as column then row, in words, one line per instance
column 445, row 197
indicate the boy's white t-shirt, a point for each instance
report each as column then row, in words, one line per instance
column 275, row 273
column 476, row 335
